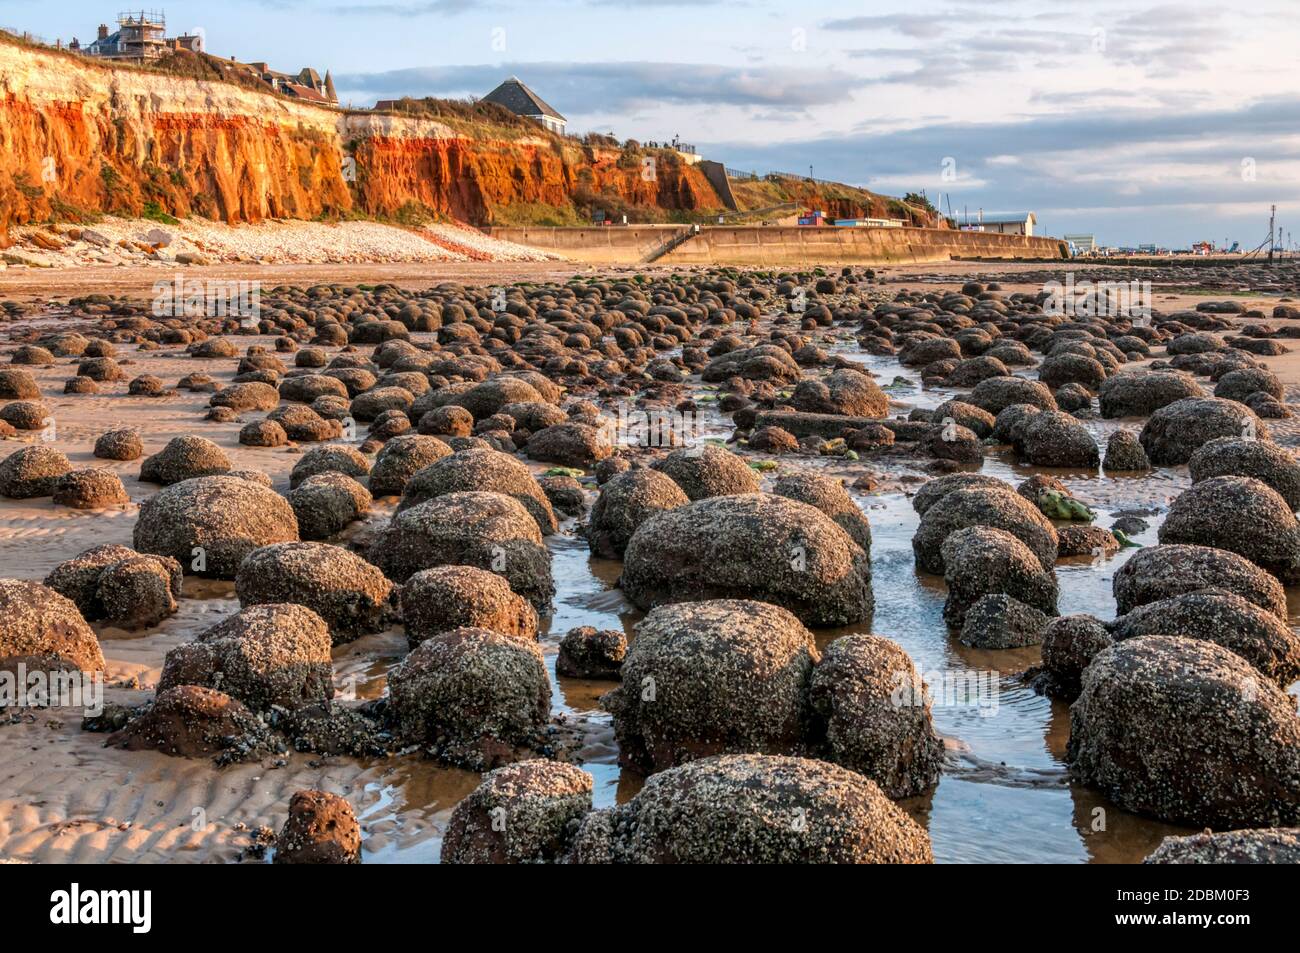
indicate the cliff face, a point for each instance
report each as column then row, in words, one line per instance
column 485, row 182
column 77, row 136
column 81, row 137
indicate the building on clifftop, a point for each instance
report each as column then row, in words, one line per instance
column 139, row 36
column 522, row 101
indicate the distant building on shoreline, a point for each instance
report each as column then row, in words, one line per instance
column 1012, row 223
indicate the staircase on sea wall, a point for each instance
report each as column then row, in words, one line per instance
column 676, row 241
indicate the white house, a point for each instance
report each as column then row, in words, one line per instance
column 1010, row 223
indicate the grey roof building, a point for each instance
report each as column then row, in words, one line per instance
column 522, row 101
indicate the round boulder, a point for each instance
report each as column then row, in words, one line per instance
column 1052, row 438
column 1241, row 515
column 981, row 560
column 473, row 697
column 351, row 595
column 90, row 489
column 845, row 391
column 1159, row 572
column 995, row 394
column 119, row 445
column 210, row 524
column 454, row 597
column 265, row 656
column 1124, row 454
column 1270, row 845
column 483, row 470
column 32, row 472
column 1061, row 369
column 703, row 678
column 752, row 546
column 320, row 829
column 190, row 721
column 249, row 395
column 334, row 458
column 1256, row 634
column 403, row 457
column 325, row 504
column 1141, row 393
column 541, row 802
column 935, row 490
column 1240, row 384
column 18, row 384
column 570, row 444
column 487, row 530
column 872, row 711
column 184, row 458
column 1000, row 508
column 625, row 502
column 588, row 652
column 1265, row 461
column 139, row 591
column 44, row 630
column 830, row 497
column 707, row 471
column 1069, row 644
column 1188, row 732
column 1178, row 430
column 754, row 809
column 263, row 433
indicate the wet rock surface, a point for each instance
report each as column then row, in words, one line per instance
column 521, row 813
column 705, row 678
column 754, row 545
column 746, row 809
column 321, row 829
column 1187, row 731
column 870, row 705
column 1264, row 846
column 264, row 656
column 352, row 596
column 472, row 697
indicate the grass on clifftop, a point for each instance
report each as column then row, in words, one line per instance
column 774, row 190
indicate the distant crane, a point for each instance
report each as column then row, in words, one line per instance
column 1271, row 240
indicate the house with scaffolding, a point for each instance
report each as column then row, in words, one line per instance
column 140, row 36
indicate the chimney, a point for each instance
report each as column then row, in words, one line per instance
column 103, row 31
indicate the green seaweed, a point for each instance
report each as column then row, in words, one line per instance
column 1056, row 505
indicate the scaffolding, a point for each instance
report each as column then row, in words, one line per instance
column 141, row 34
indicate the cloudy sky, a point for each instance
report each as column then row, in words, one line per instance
column 1135, row 120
